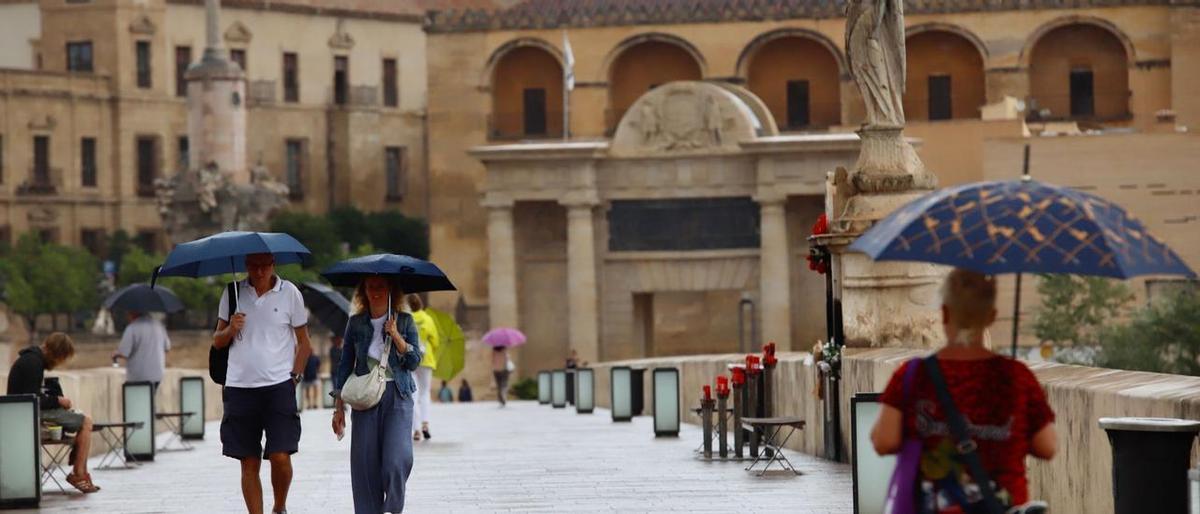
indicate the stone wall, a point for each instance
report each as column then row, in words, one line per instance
column 1078, row 480
column 97, row 393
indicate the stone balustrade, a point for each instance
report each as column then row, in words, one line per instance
column 97, row 393
column 1078, row 480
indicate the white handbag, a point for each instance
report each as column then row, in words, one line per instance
column 362, row 392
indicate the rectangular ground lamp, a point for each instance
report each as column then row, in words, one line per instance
column 20, row 452
column 544, row 387
column 191, row 399
column 666, row 402
column 558, row 389
column 327, row 400
column 621, row 393
column 137, row 406
column 871, row 472
column 585, row 390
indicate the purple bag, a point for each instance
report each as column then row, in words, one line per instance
column 902, row 489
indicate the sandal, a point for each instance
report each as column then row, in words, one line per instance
column 82, row 482
column 416, row 436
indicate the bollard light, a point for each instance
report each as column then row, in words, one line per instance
column 20, row 452
column 870, row 471
column 621, row 393
column 137, row 406
column 585, row 390
column 558, row 389
column 666, row 402
column 544, row 387
column 191, row 399
column 327, row 399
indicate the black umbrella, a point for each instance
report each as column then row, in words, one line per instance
column 143, row 298
column 329, row 306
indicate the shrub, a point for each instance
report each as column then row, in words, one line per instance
column 1163, row 337
column 525, row 389
column 1075, row 310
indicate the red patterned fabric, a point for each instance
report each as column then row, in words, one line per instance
column 1005, row 407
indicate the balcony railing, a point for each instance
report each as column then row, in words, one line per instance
column 511, row 126
column 41, row 182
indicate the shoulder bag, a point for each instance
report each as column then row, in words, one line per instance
column 902, row 490
column 362, row 392
column 966, row 447
column 218, row 358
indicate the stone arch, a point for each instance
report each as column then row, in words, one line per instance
column 957, row 30
column 524, row 80
column 489, row 68
column 1078, row 68
column 747, row 55
column 946, row 78
column 643, row 62
column 798, row 74
column 1027, row 51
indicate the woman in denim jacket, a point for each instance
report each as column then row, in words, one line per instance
column 381, row 447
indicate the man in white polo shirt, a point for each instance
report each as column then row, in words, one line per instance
column 269, row 338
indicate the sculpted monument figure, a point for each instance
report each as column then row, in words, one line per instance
column 875, row 52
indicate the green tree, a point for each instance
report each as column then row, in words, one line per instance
column 119, row 244
column 1075, row 310
column 197, row 294
column 393, row 232
column 351, row 225
column 41, row 278
column 1162, row 337
column 315, row 232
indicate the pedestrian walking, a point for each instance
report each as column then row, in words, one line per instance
column 312, row 386
column 27, row 376
column 144, row 346
column 445, row 395
column 501, row 367
column 428, row 340
column 381, row 451
column 930, row 403
column 267, row 336
column 464, row 393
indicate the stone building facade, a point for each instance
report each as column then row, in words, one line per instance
column 93, row 107
column 981, row 75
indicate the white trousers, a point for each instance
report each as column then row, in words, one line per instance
column 421, row 400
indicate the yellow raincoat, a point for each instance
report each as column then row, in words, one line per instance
column 427, row 331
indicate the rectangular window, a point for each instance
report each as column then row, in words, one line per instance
column 87, row 161
column 79, row 56
column 41, row 161
column 391, row 93
column 92, row 239
column 291, row 79
column 797, row 104
column 295, row 168
column 147, row 240
column 396, row 162
column 940, row 106
column 534, row 107
column 183, row 151
column 143, row 64
column 1083, row 97
column 238, row 55
column 1, row 159
column 183, row 59
column 341, row 79
column 147, row 165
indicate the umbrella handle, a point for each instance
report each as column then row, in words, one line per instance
column 154, row 276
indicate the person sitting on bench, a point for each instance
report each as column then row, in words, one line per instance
column 26, row 377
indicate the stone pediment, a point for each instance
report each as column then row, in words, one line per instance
column 688, row 118
column 238, row 33
column 142, row 25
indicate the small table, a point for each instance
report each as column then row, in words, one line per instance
column 716, row 435
column 174, row 422
column 771, row 428
column 58, row 451
column 114, row 435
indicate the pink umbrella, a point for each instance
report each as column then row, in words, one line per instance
column 504, row 337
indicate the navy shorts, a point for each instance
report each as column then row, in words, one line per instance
column 251, row 411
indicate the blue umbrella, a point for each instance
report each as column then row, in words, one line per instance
column 1020, row 226
column 143, row 298
column 414, row 275
column 328, row 305
column 225, row 253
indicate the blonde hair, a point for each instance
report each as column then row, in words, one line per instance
column 361, row 304
column 58, row 348
column 414, row 302
column 970, row 300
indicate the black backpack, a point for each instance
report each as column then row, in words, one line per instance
column 218, row 358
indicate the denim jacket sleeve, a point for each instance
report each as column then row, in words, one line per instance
column 345, row 367
column 411, row 359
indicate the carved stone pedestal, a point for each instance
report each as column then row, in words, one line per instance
column 888, row 163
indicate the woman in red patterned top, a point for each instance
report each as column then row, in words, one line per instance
column 1005, row 408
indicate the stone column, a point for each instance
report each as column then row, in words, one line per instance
column 582, row 296
column 502, row 265
column 773, row 274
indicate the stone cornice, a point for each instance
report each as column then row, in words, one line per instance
column 542, row 14
column 399, row 15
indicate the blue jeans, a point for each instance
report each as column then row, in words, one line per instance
column 381, row 453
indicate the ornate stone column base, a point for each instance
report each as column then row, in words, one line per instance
column 888, row 163
column 890, row 304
